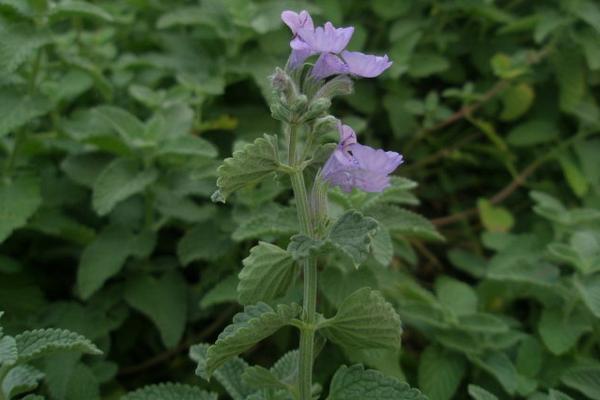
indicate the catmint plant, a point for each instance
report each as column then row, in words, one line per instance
column 319, row 68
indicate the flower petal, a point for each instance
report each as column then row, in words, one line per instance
column 296, row 21
column 365, row 65
column 327, row 39
column 328, row 64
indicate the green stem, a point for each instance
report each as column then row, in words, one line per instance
column 307, row 334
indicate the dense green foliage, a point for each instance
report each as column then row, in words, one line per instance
column 114, row 116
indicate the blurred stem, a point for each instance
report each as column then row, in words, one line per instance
column 309, row 265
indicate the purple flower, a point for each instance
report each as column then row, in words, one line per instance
column 330, row 43
column 353, row 165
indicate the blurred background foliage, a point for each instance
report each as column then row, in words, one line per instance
column 114, row 115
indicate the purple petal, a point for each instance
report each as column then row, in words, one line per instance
column 327, row 39
column 300, row 52
column 365, row 65
column 328, row 64
column 296, row 21
column 347, row 135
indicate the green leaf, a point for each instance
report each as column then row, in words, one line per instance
column 19, row 42
column 205, row 241
column 364, row 320
column 229, row 375
column 533, row 132
column 482, row 323
column 170, row 391
column 356, row 383
column 495, row 219
column 382, row 247
column 279, row 221
column 560, row 332
column 569, row 69
column 225, row 291
column 254, row 324
column 425, row 64
column 516, row 101
column 74, row 8
column 588, row 11
column 267, row 274
column 440, row 372
column 457, row 296
column 20, row 379
column 170, row 313
column 17, row 109
column 131, row 129
column 43, row 342
column 247, row 167
column 404, row 222
column 351, row 235
column 479, row 393
column 261, row 378
column 584, row 378
column 188, row 145
column 8, row 350
column 589, row 291
column 500, row 367
column 573, row 174
column 19, row 199
column 120, row 179
column 106, row 255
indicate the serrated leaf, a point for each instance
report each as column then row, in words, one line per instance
column 74, row 8
column 560, row 332
column 120, row 179
column 229, row 375
column 516, row 101
column 17, row 109
column 106, row 255
column 364, row 320
column 254, row 324
column 8, row 350
column 170, row 313
column 356, row 383
column 440, row 372
column 248, row 166
column 19, row 199
column 584, row 378
column 404, row 222
column 19, row 42
column 267, row 274
column 479, row 393
column 351, row 235
column 20, row 379
column 170, row 391
column 43, row 342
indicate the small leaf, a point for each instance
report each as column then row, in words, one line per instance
column 19, row 42
column 404, row 222
column 589, row 291
column 43, row 342
column 229, row 375
column 75, row 8
column 356, row 383
column 19, row 199
column 205, row 241
column 248, row 166
column 575, row 178
column 131, row 129
column 516, row 101
column 479, row 393
column 170, row 391
column 120, row 179
column 495, row 219
column 261, row 378
column 254, row 324
column 20, row 379
column 267, row 274
column 457, row 296
column 440, row 372
column 560, row 332
column 188, row 145
column 17, row 109
column 365, row 320
column 500, row 367
column 8, row 350
column 533, row 132
column 569, row 69
column 170, row 313
column 106, row 255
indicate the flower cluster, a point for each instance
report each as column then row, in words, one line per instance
column 330, row 44
column 352, row 165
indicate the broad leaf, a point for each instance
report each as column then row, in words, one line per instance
column 170, row 313
column 106, row 255
column 19, row 199
column 19, row 42
column 365, row 320
column 584, row 378
column 356, row 383
column 20, row 379
column 120, row 179
column 560, row 331
column 170, row 391
column 267, row 274
column 43, row 342
column 404, row 222
column 254, row 324
column 131, row 129
column 500, row 367
column 440, row 372
column 248, row 166
column 229, row 375
column 589, row 291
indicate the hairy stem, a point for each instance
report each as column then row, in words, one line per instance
column 307, row 334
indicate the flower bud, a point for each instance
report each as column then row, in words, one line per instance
column 316, row 108
column 325, row 124
column 280, row 112
column 341, row 85
column 284, row 87
column 298, row 106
